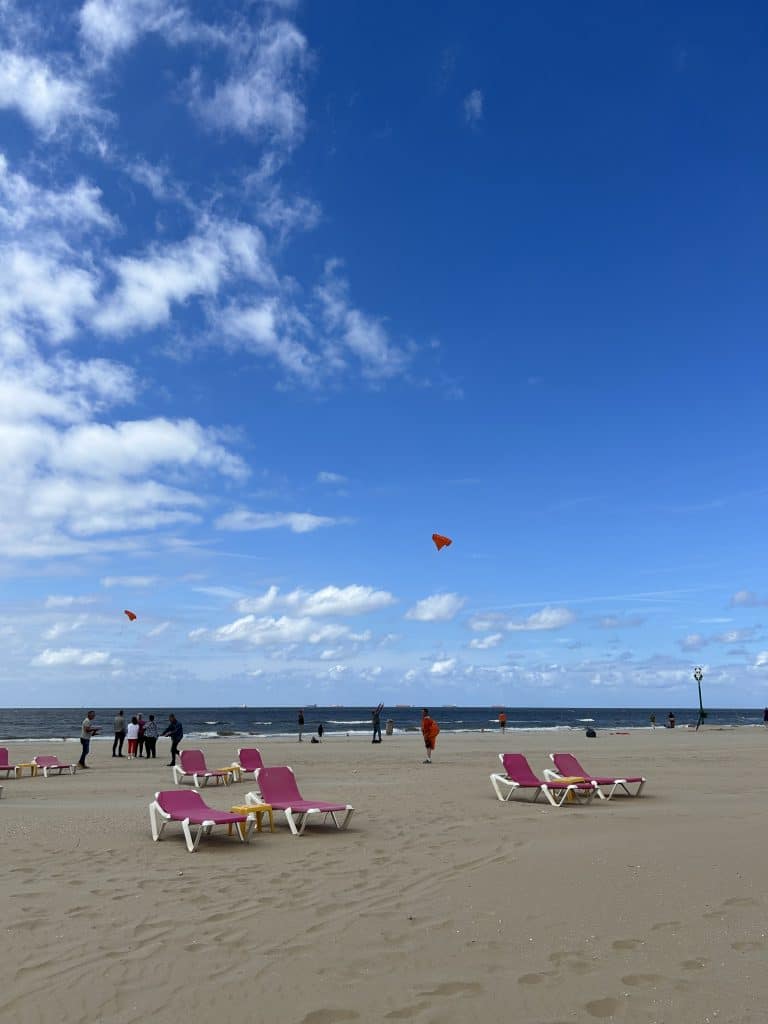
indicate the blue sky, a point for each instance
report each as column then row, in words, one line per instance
column 286, row 287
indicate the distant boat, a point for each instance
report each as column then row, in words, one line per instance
column 403, row 705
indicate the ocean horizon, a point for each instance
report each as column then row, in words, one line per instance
column 60, row 724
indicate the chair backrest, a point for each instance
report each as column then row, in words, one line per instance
column 45, row 761
column 568, row 766
column 4, row 762
column 517, row 768
column 180, row 801
column 250, row 759
column 277, row 785
column 193, row 761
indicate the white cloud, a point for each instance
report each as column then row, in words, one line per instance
column 159, row 629
column 148, row 286
column 747, row 599
column 485, row 643
column 56, row 485
column 473, row 106
column 351, row 600
column 24, row 204
column 135, row 448
column 324, row 477
column 259, row 99
column 735, row 636
column 66, row 601
column 443, row 668
column 129, row 581
column 352, row 331
column 297, row 522
column 436, row 608
column 70, row 656
column 109, row 27
column 70, row 626
column 45, row 288
column 44, row 98
column 693, row 642
column 547, row 618
column 620, row 622
column 269, row 631
column 269, row 329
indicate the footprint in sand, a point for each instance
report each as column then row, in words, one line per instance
column 641, row 980
column 535, row 979
column 695, row 965
column 741, row 901
column 748, row 946
column 406, row 1012
column 671, row 925
column 572, row 961
column 329, row 1016
column 454, row 988
column 602, row 1007
column 626, row 944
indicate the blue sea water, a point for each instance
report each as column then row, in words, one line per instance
column 64, row 723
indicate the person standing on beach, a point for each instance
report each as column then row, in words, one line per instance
column 119, row 734
column 87, row 732
column 133, row 737
column 765, row 717
column 670, row 720
column 429, row 730
column 300, row 721
column 142, row 725
column 320, row 731
column 150, row 738
column 653, row 719
column 376, row 722
column 176, row 732
column 503, row 721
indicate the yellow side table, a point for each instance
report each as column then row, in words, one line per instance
column 26, row 764
column 257, row 811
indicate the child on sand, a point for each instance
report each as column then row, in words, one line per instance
column 429, row 730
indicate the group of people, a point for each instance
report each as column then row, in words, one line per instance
column 141, row 734
column 429, row 729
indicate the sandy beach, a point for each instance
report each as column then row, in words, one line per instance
column 438, row 905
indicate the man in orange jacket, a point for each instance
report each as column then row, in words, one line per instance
column 429, row 730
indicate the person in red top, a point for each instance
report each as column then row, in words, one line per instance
column 429, row 730
column 503, row 721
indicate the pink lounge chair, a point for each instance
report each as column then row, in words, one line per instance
column 53, row 764
column 248, row 760
column 5, row 764
column 189, row 808
column 567, row 764
column 518, row 775
column 278, row 788
column 192, row 765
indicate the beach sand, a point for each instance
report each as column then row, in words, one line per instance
column 438, row 905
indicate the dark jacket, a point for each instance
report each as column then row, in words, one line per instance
column 174, row 730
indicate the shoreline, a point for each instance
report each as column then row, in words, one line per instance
column 330, row 735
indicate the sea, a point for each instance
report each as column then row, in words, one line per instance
column 52, row 724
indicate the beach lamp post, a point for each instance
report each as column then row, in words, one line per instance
column 698, row 675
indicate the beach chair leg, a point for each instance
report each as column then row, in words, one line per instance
column 292, row 823
column 192, row 844
column 176, row 773
column 157, row 829
column 347, row 819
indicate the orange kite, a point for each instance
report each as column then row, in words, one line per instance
column 440, row 541
column 131, row 615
